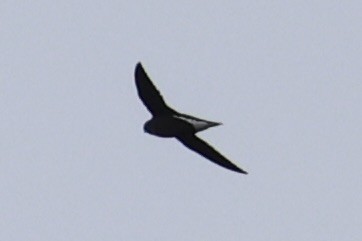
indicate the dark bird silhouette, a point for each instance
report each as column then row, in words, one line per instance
column 167, row 122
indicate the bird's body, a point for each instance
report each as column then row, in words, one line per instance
column 166, row 122
column 176, row 125
column 167, row 126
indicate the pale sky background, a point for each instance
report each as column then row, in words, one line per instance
column 283, row 76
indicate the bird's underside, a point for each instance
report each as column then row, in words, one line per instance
column 167, row 122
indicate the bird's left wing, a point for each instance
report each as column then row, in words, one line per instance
column 149, row 94
column 198, row 145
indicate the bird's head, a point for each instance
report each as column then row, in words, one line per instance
column 148, row 127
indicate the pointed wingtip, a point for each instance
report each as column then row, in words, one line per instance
column 139, row 70
column 138, row 65
column 239, row 170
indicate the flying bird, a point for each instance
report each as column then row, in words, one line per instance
column 166, row 122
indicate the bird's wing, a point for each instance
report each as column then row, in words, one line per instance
column 196, row 144
column 149, row 94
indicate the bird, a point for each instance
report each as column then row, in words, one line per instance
column 168, row 123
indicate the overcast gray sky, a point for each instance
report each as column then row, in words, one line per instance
column 283, row 76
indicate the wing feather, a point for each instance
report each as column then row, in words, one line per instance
column 198, row 145
column 149, row 94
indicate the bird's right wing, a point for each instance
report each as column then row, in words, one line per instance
column 149, row 94
column 207, row 151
